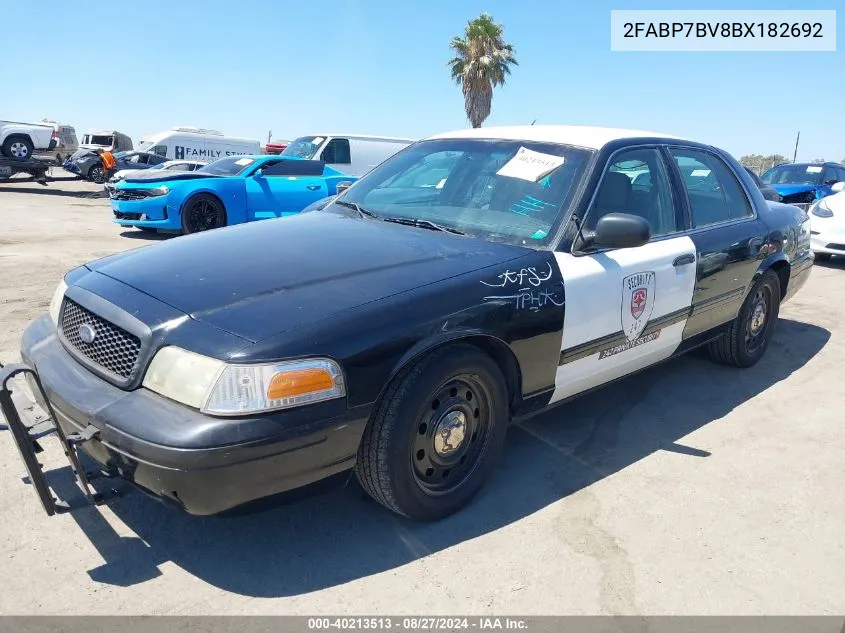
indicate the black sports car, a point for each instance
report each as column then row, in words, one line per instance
column 471, row 279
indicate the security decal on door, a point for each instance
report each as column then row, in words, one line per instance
column 637, row 303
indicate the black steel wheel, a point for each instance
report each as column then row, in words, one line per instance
column 202, row 213
column 748, row 335
column 451, row 435
column 436, row 434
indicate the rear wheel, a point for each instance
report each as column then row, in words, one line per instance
column 202, row 213
column 18, row 147
column 749, row 333
column 436, row 435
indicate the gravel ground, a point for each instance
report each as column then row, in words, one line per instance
column 688, row 489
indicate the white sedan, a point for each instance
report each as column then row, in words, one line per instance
column 827, row 225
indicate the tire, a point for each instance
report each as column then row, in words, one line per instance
column 822, row 257
column 406, row 460
column 58, row 159
column 203, row 212
column 747, row 338
column 95, row 174
column 18, row 147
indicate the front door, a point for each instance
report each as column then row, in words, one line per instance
column 626, row 308
column 275, row 193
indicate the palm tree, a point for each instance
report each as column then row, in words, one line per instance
column 482, row 61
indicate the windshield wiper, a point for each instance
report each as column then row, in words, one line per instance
column 424, row 224
column 365, row 213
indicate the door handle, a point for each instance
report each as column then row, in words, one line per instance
column 313, row 187
column 684, row 260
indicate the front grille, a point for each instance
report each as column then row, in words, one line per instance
column 113, row 348
column 120, row 215
column 128, row 194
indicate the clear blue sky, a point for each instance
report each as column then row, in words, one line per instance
column 378, row 67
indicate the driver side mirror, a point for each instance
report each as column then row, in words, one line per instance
column 621, row 230
column 838, row 186
column 343, row 186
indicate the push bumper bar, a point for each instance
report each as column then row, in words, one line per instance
column 29, row 427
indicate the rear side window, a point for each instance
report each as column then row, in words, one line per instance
column 337, row 152
column 161, row 150
column 713, row 191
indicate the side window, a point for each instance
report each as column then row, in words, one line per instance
column 713, row 191
column 337, row 152
column 840, row 173
column 161, row 150
column 831, row 175
column 636, row 183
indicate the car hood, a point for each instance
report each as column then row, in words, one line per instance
column 157, row 175
column 789, row 189
column 263, row 278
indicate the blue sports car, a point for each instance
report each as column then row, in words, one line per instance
column 228, row 191
column 802, row 184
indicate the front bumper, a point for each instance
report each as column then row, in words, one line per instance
column 147, row 212
column 202, row 464
column 825, row 240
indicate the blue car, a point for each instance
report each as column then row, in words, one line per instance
column 231, row 190
column 802, row 184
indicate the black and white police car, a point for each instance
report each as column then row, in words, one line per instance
column 473, row 278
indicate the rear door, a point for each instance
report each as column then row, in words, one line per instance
column 626, row 308
column 726, row 233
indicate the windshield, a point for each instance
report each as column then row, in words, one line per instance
column 304, row 147
column 509, row 191
column 231, row 166
column 793, row 175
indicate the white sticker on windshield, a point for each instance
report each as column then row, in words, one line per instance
column 814, row 169
column 243, row 161
column 530, row 165
column 700, row 173
column 317, row 140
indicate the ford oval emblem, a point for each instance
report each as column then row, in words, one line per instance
column 87, row 333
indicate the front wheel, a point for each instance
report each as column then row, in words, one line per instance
column 436, row 435
column 95, row 174
column 202, row 213
column 749, row 333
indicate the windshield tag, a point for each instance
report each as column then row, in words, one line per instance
column 814, row 169
column 700, row 173
column 530, row 165
column 243, row 161
column 317, row 140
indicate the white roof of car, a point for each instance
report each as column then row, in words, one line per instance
column 577, row 135
column 366, row 136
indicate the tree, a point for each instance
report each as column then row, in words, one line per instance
column 759, row 163
column 482, row 61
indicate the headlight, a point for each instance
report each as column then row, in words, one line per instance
column 820, row 209
column 218, row 388
column 157, row 191
column 56, row 302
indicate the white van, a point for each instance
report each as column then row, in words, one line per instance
column 351, row 154
column 193, row 143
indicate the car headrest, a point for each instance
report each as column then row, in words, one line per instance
column 615, row 191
